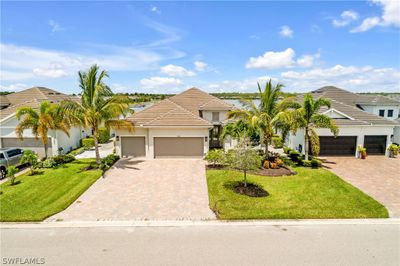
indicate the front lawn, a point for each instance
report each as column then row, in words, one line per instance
column 42, row 195
column 312, row 193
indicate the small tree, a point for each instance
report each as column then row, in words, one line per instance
column 11, row 171
column 245, row 159
column 31, row 158
column 215, row 157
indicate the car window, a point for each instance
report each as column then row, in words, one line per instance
column 12, row 153
column 1, row 156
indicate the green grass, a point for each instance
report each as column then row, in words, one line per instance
column 77, row 151
column 42, row 195
column 312, row 194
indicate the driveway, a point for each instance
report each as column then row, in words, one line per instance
column 378, row 176
column 162, row 189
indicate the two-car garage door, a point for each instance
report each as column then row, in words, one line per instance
column 347, row 145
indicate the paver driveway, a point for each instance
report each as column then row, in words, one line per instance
column 378, row 176
column 162, row 189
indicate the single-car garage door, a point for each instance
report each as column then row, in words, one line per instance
column 375, row 144
column 23, row 143
column 133, row 146
column 178, row 147
column 345, row 145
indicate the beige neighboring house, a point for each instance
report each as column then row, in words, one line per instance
column 368, row 120
column 59, row 142
column 185, row 125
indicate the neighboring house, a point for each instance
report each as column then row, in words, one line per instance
column 184, row 125
column 59, row 142
column 368, row 120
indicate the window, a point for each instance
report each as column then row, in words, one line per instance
column 1, row 156
column 12, row 153
column 215, row 116
column 390, row 113
column 382, row 113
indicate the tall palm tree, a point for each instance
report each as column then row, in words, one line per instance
column 308, row 118
column 48, row 117
column 263, row 116
column 98, row 105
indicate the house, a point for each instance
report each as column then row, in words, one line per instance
column 59, row 142
column 185, row 125
column 368, row 120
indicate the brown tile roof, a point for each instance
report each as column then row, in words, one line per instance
column 166, row 113
column 13, row 108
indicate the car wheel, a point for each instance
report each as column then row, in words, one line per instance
column 3, row 173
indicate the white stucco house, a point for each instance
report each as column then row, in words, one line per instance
column 368, row 120
column 185, row 125
column 59, row 142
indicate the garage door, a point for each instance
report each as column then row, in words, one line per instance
column 345, row 145
column 375, row 144
column 133, row 146
column 25, row 143
column 178, row 147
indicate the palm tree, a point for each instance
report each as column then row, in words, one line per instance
column 308, row 118
column 264, row 116
column 48, row 117
column 98, row 105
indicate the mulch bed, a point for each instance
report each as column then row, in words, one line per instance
column 251, row 190
column 274, row 172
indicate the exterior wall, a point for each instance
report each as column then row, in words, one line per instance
column 374, row 109
column 360, row 131
column 151, row 133
column 207, row 115
column 396, row 135
column 69, row 143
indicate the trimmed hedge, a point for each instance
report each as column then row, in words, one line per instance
column 64, row 158
column 87, row 143
column 108, row 161
column 104, row 135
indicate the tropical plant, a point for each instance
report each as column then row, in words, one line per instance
column 98, row 105
column 245, row 158
column 307, row 117
column 215, row 157
column 48, row 117
column 30, row 158
column 239, row 129
column 11, row 171
column 393, row 150
column 268, row 114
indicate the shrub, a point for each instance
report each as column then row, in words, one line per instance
column 87, row 143
column 216, row 157
column 287, row 150
column 277, row 142
column 108, row 161
column 306, row 163
column 104, row 135
column 77, row 151
column 48, row 163
column 266, row 164
column 63, row 158
column 31, row 158
column 294, row 156
column 11, row 171
column 287, row 161
column 279, row 162
column 316, row 163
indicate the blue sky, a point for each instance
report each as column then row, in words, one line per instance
column 167, row 47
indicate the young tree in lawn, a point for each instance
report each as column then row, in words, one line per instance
column 245, row 158
column 48, row 117
column 262, row 116
column 30, row 158
column 307, row 117
column 11, row 171
column 98, row 105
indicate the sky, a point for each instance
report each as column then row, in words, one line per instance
column 217, row 46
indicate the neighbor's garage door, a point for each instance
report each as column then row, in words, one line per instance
column 345, row 145
column 375, row 144
column 178, row 147
column 25, row 143
column 133, row 146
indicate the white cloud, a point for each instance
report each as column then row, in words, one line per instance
column 155, row 10
column 200, row 66
column 160, row 82
column 390, row 16
column 286, row 32
column 55, row 26
column 305, row 61
column 176, row 71
column 14, row 87
column 346, row 18
column 272, row 60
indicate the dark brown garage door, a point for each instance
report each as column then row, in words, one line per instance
column 345, row 145
column 178, row 147
column 375, row 144
column 133, row 146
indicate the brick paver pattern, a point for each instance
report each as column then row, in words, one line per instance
column 162, row 189
column 377, row 176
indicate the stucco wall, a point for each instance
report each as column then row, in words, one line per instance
column 151, row 133
column 375, row 110
column 207, row 115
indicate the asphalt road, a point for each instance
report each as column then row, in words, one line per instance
column 324, row 244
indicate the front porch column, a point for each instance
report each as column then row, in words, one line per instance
column 360, row 141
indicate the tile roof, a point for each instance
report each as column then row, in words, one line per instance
column 180, row 110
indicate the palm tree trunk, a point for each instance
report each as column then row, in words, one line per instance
column 96, row 145
column 266, row 147
column 306, row 143
column 45, row 150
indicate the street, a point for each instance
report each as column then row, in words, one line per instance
column 223, row 244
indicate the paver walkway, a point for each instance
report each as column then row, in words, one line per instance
column 162, row 189
column 378, row 176
column 104, row 150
